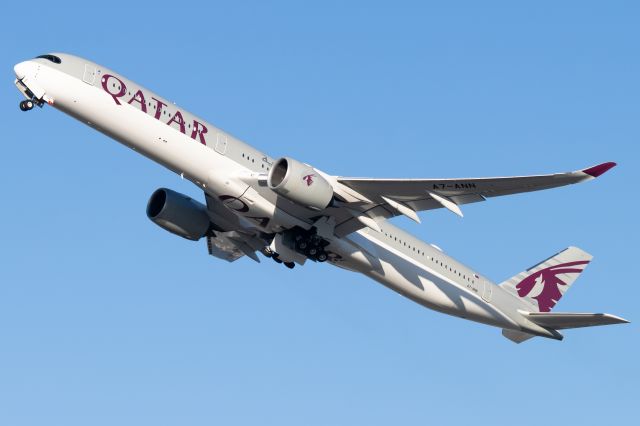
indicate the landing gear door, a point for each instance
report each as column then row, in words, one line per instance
column 89, row 75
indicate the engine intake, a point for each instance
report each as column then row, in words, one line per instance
column 300, row 183
column 179, row 214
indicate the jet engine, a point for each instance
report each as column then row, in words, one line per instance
column 300, row 183
column 178, row 214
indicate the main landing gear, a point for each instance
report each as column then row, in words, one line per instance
column 276, row 258
column 305, row 242
column 312, row 246
column 27, row 105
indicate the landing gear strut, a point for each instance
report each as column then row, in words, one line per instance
column 26, row 105
column 302, row 242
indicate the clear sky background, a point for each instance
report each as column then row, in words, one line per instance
column 106, row 319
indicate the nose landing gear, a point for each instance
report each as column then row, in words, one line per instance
column 27, row 105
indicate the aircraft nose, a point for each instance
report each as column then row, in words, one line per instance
column 23, row 69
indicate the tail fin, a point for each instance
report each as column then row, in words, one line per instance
column 542, row 285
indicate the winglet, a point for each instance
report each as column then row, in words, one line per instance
column 600, row 169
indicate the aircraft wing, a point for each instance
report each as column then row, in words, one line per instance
column 232, row 245
column 385, row 198
column 233, row 237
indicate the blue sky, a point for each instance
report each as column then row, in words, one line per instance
column 106, row 319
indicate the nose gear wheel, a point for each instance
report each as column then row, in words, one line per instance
column 26, row 105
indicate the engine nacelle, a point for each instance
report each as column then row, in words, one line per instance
column 300, row 183
column 178, row 214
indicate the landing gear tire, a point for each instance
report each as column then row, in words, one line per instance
column 322, row 257
column 290, row 265
column 26, row 105
column 276, row 258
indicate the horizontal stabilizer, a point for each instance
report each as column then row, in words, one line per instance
column 564, row 320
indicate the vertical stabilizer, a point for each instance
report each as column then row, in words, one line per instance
column 542, row 285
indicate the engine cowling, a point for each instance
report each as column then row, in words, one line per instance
column 300, row 183
column 179, row 214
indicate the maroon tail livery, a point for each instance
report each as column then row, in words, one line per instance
column 549, row 279
column 543, row 285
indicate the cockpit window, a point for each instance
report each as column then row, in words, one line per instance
column 51, row 58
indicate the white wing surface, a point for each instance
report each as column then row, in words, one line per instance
column 385, row 198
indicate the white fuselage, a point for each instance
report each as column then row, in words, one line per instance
column 228, row 169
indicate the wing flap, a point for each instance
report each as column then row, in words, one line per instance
column 232, row 245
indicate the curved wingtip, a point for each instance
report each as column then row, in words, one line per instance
column 600, row 169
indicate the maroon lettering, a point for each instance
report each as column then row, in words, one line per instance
column 177, row 118
column 122, row 89
column 139, row 97
column 159, row 105
column 199, row 129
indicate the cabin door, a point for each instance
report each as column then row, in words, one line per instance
column 221, row 144
column 89, row 75
column 487, row 290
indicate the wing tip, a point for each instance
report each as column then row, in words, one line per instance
column 600, row 169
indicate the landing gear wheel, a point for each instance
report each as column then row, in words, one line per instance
column 276, row 258
column 322, row 257
column 26, row 105
column 290, row 265
column 311, row 252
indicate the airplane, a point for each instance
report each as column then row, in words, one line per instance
column 293, row 213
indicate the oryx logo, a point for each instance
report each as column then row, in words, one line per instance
column 544, row 285
column 308, row 179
